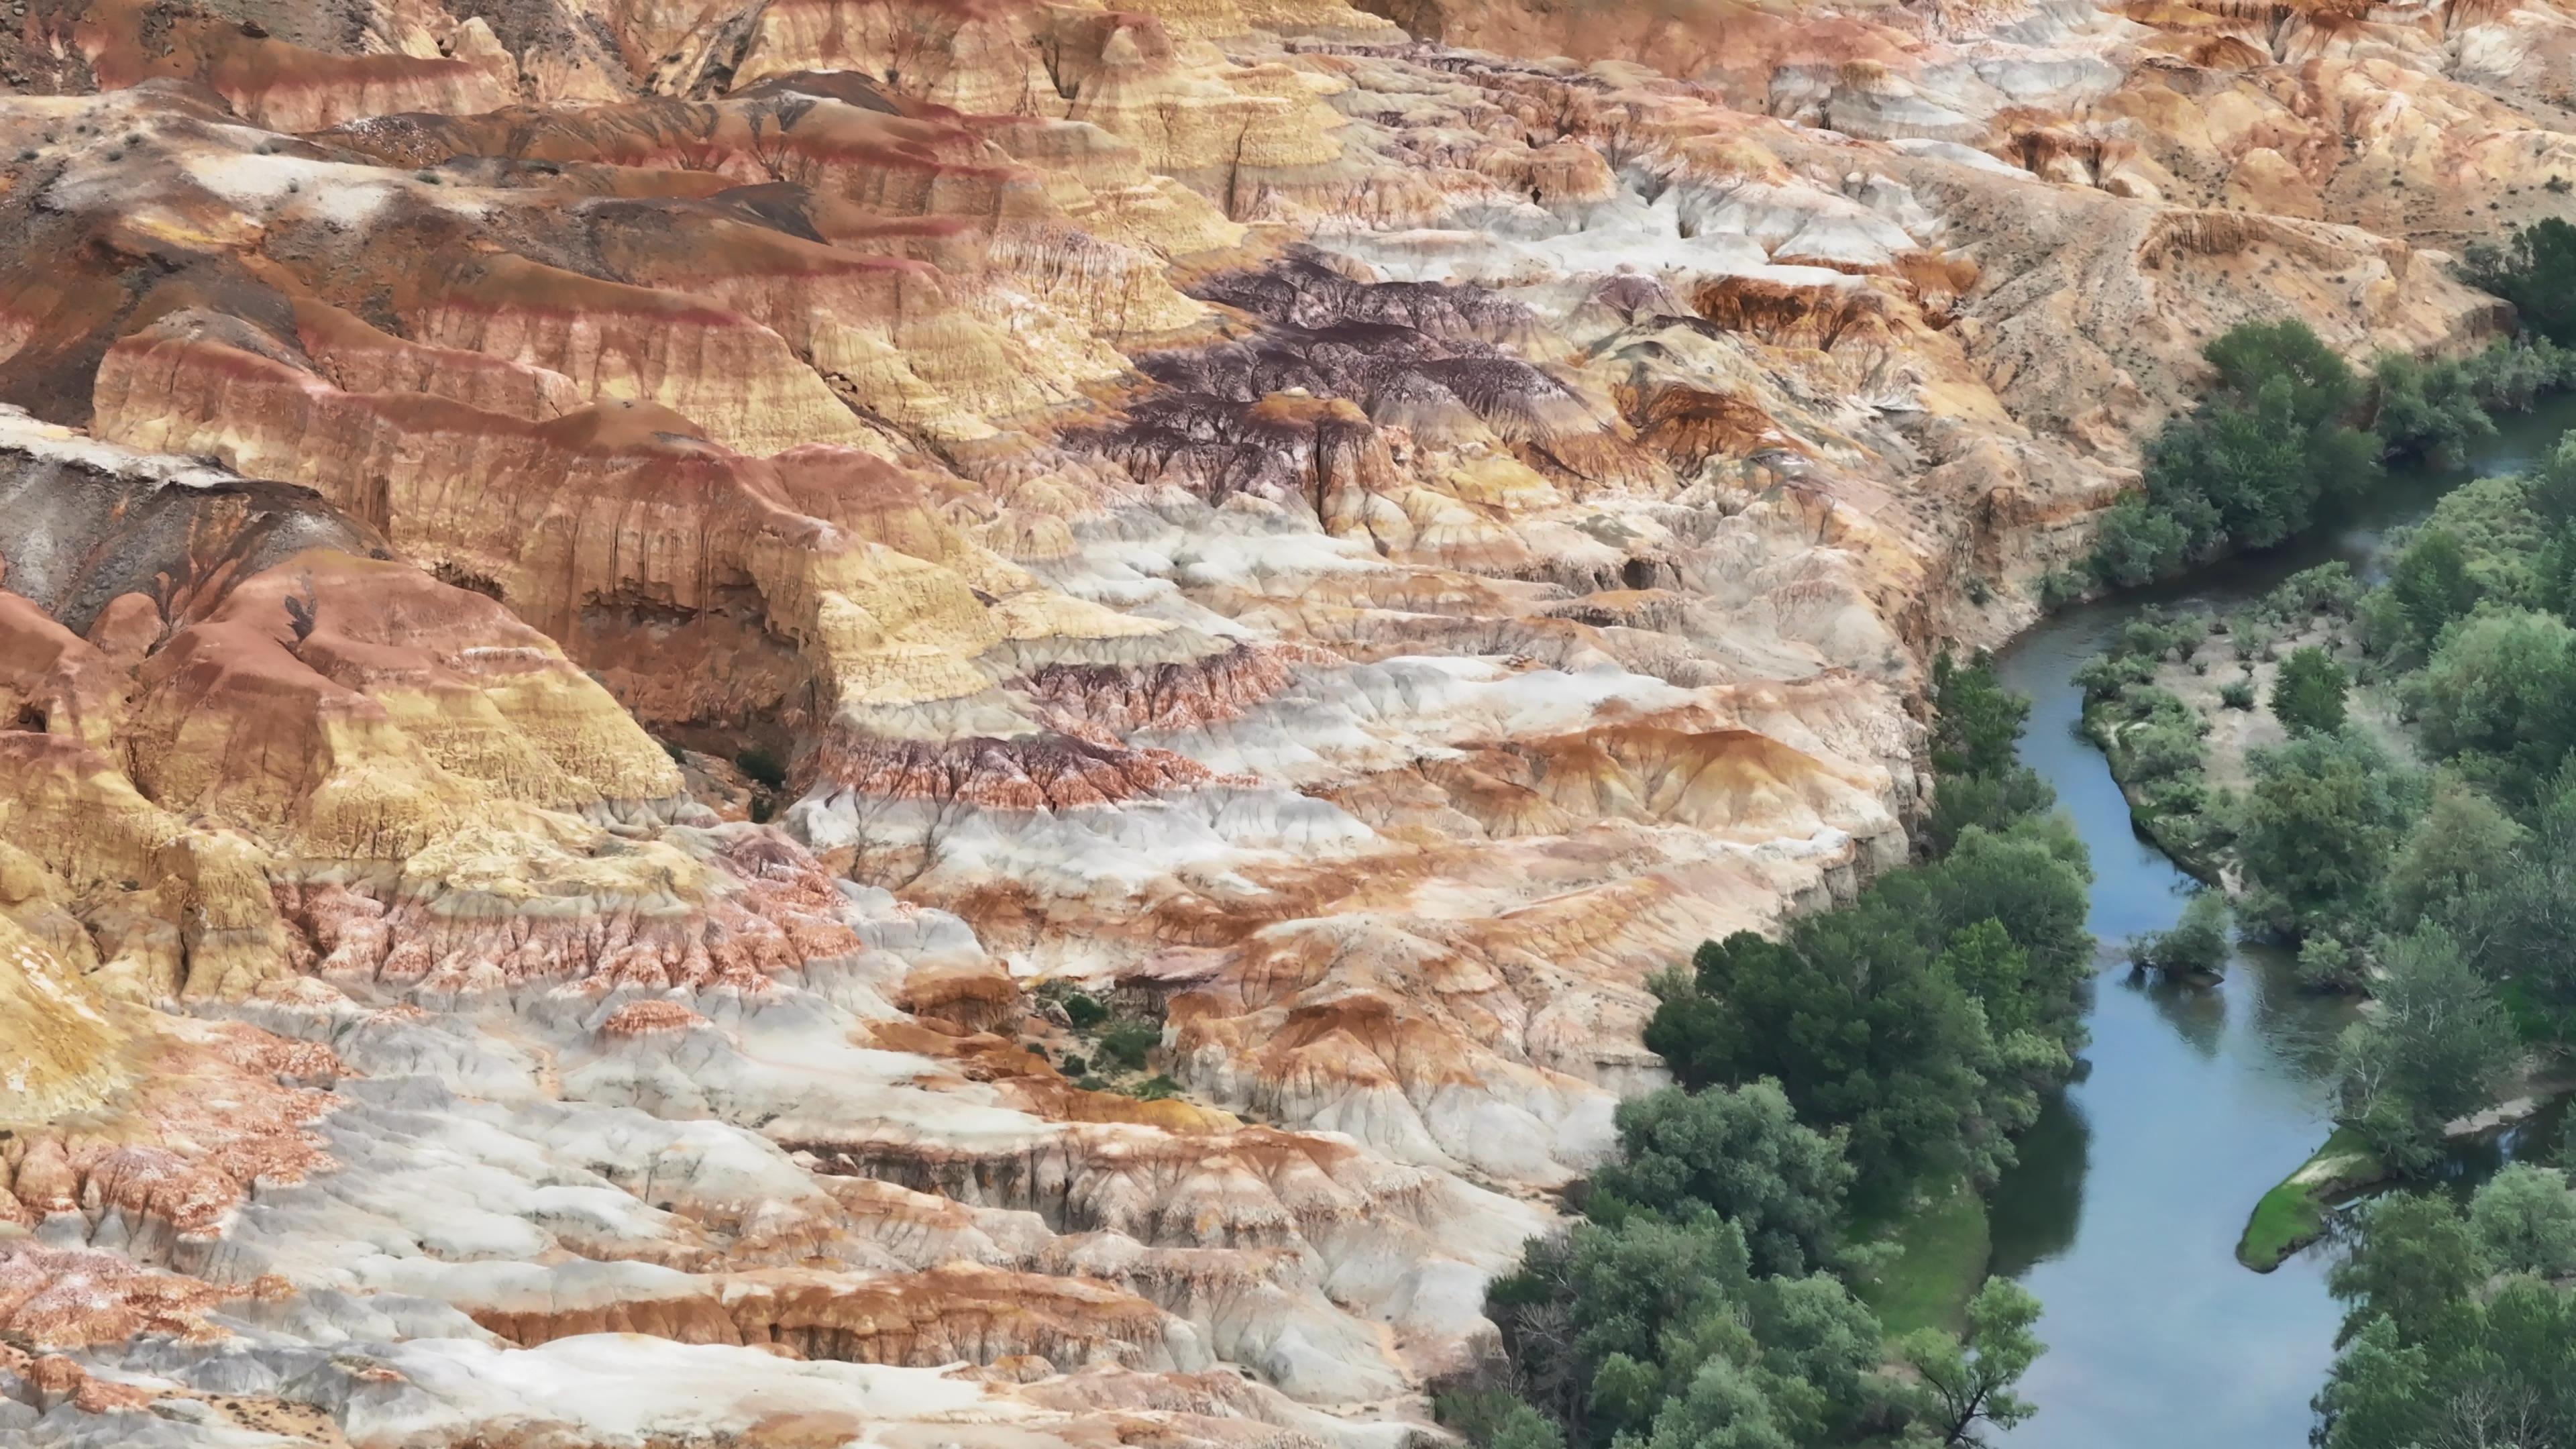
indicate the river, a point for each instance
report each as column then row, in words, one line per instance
column 2132, row 1188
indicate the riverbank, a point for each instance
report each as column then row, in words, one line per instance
column 2293, row 1214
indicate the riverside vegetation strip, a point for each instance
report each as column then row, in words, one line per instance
column 1874, row 1062
column 2414, row 838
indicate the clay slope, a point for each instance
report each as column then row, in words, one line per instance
column 602, row 607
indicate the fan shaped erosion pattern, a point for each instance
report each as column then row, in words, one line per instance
column 971, row 721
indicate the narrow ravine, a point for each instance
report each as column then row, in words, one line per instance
column 2124, row 1211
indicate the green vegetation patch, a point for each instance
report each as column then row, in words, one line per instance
column 2293, row 1214
column 1942, row 1250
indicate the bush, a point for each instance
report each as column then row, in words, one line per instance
column 2308, row 694
column 1081, row 1009
column 2237, row 693
column 1126, row 1045
column 2326, row 964
column 2326, row 589
column 2196, row 946
column 2536, row 271
column 2160, row 751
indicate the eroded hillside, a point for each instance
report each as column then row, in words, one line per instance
column 1354, row 547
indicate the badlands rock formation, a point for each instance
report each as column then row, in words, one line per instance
column 600, row 604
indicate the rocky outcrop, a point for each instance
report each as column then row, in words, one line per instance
column 970, row 719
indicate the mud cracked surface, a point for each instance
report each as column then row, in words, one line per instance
column 602, row 604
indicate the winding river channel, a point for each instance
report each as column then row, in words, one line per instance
column 2124, row 1211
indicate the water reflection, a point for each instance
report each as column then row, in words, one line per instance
column 2036, row 1221
column 2197, row 1010
column 2299, row 1026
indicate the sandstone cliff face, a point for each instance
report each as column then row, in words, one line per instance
column 591, row 594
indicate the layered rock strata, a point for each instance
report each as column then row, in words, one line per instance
column 603, row 606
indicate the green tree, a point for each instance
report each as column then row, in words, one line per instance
column 2496, row 697
column 1527, row 1428
column 2431, row 585
column 2524, row 1219
column 2319, row 825
column 2436, row 1049
column 1992, row 967
column 2308, row 696
column 1860, row 1030
column 2248, row 467
column 2462, row 847
column 1723, row 1407
column 2381, row 1394
column 1129, row 1044
column 1992, row 803
column 1742, row 1152
column 2412, row 1261
column 2535, row 271
column 1495, row 1419
column 1977, row 723
column 2034, row 881
column 2425, row 408
column 2521, row 926
column 2138, row 543
column 1968, row 1382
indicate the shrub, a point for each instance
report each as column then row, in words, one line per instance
column 2326, row 964
column 2536, row 271
column 1081, row 1009
column 2161, row 750
column 2196, row 946
column 2237, row 693
column 2307, row 696
column 1127, row 1044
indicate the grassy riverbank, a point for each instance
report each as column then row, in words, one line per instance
column 1943, row 1245
column 2293, row 1214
